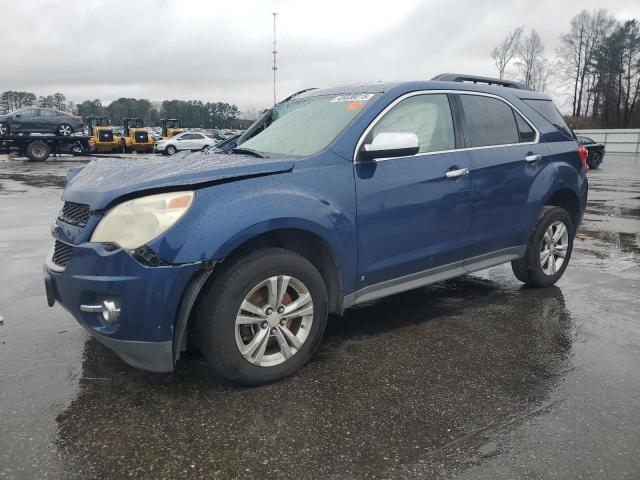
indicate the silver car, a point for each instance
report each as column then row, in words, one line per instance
column 184, row 141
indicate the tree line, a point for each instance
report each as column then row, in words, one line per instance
column 598, row 60
column 193, row 113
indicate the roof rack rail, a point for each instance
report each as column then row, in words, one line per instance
column 457, row 77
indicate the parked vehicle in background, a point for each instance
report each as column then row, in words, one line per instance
column 170, row 127
column 350, row 195
column 184, row 141
column 38, row 147
column 135, row 136
column 595, row 149
column 102, row 135
column 40, row 120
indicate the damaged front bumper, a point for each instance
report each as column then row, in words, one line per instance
column 152, row 303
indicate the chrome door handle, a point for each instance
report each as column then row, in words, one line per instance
column 532, row 158
column 463, row 172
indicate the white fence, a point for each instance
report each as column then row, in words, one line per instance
column 615, row 141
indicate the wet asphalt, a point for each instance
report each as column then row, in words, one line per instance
column 475, row 378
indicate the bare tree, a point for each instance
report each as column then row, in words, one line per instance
column 577, row 49
column 530, row 58
column 506, row 50
column 542, row 73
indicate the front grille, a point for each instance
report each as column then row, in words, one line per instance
column 142, row 137
column 62, row 253
column 105, row 136
column 75, row 213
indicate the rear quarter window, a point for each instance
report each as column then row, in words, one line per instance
column 489, row 121
column 548, row 110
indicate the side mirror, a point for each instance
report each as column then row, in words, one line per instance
column 18, row 115
column 390, row 144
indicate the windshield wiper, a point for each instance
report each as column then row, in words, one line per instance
column 247, row 151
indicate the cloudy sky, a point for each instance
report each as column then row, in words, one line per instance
column 221, row 51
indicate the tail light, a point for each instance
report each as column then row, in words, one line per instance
column 583, row 153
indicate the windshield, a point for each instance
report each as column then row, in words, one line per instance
column 302, row 127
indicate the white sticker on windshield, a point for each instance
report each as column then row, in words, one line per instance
column 353, row 97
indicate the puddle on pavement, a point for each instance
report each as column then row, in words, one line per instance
column 623, row 212
column 467, row 372
column 623, row 241
column 37, row 181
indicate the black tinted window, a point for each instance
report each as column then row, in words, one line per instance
column 527, row 134
column 48, row 113
column 548, row 110
column 489, row 121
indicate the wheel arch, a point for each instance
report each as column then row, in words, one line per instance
column 305, row 242
column 557, row 184
column 567, row 199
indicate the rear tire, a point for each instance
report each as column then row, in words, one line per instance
column 78, row 150
column 548, row 251
column 37, row 151
column 5, row 129
column 595, row 161
column 64, row 130
column 238, row 283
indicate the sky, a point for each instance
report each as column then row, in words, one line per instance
column 221, row 51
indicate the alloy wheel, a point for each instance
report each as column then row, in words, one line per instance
column 274, row 320
column 64, row 130
column 554, row 248
column 3, row 129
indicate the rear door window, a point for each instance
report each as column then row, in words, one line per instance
column 48, row 113
column 548, row 110
column 488, row 121
column 428, row 116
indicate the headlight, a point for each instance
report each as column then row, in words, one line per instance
column 133, row 223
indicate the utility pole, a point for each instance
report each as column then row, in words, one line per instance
column 275, row 52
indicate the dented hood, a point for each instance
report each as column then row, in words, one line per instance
column 102, row 181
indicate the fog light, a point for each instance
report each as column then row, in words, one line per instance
column 110, row 310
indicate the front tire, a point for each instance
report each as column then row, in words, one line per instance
column 4, row 129
column 263, row 316
column 171, row 150
column 548, row 251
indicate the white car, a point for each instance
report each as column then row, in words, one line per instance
column 184, row 141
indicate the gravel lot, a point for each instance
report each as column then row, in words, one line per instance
column 473, row 378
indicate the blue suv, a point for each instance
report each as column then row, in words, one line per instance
column 340, row 197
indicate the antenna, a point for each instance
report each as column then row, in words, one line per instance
column 275, row 53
